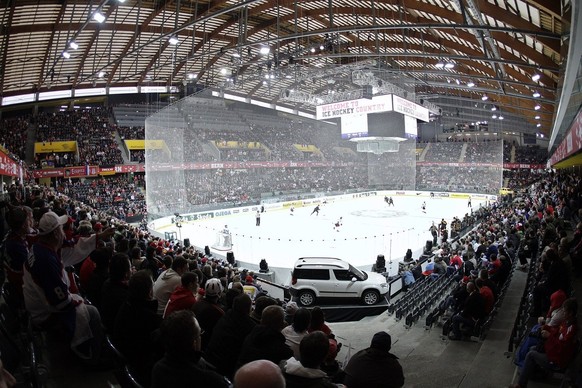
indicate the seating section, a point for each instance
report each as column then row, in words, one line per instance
column 14, row 135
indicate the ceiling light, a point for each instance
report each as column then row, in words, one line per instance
column 173, row 40
column 66, row 55
column 470, row 84
column 536, row 77
column 101, row 74
column 192, row 76
column 536, row 94
column 500, row 117
column 537, row 107
column 457, row 81
column 236, row 55
column 449, row 65
column 537, row 117
column 493, row 116
column 121, row 1
column 312, row 49
column 264, row 82
column 485, row 97
column 98, row 17
column 73, row 45
column 493, row 107
column 439, row 65
column 538, row 125
column 265, row 50
column 321, row 47
column 223, row 71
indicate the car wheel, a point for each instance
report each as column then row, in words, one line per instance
column 370, row 297
column 306, row 298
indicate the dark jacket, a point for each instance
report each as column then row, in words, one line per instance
column 227, row 341
column 188, row 371
column 373, row 367
column 207, row 313
column 113, row 295
column 474, row 306
column 264, row 343
column 133, row 334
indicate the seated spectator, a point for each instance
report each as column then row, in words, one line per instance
column 182, row 364
column 307, row 373
column 168, row 281
column 135, row 325
column 488, row 298
column 228, row 335
column 261, row 303
column 114, row 290
column 318, row 322
column 259, row 374
column 559, row 346
column 208, row 310
column 295, row 332
column 250, row 288
column 265, row 341
column 184, row 296
column 375, row 366
column 473, row 311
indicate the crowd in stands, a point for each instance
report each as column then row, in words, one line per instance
column 131, row 133
column 14, row 135
column 531, row 154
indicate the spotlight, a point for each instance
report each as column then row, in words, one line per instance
column 265, row 50
column 101, row 74
column 538, row 125
column 449, row 65
column 173, row 40
column 494, row 116
column 98, row 17
column 66, row 55
column 470, row 84
column 494, row 107
column 73, row 45
column 500, row 117
column 312, row 49
column 192, row 76
column 535, row 77
column 223, row 71
column 537, row 117
column 321, row 47
column 485, row 97
column 439, row 65
column 537, row 107
column 536, row 94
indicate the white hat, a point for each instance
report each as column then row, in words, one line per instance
column 50, row 221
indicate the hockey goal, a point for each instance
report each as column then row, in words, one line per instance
column 223, row 241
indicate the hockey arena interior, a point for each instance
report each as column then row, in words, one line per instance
column 297, row 193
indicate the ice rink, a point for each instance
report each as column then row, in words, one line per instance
column 369, row 227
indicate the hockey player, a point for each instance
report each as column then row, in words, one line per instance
column 423, row 207
column 337, row 224
column 292, row 210
column 469, row 204
column 316, row 210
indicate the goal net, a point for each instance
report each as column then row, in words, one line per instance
column 223, row 241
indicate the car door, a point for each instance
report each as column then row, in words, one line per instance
column 344, row 286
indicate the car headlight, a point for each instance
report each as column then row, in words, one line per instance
column 384, row 285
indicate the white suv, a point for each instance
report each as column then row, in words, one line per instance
column 326, row 277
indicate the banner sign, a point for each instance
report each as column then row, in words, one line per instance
column 134, row 145
column 571, row 143
column 354, row 107
column 508, row 166
column 55, row 146
column 410, row 108
column 9, row 167
column 69, row 172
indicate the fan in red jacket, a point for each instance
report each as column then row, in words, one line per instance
column 184, row 296
column 559, row 346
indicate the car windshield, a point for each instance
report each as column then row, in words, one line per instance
column 357, row 273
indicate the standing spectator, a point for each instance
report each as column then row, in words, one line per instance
column 182, row 364
column 375, row 366
column 46, row 287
